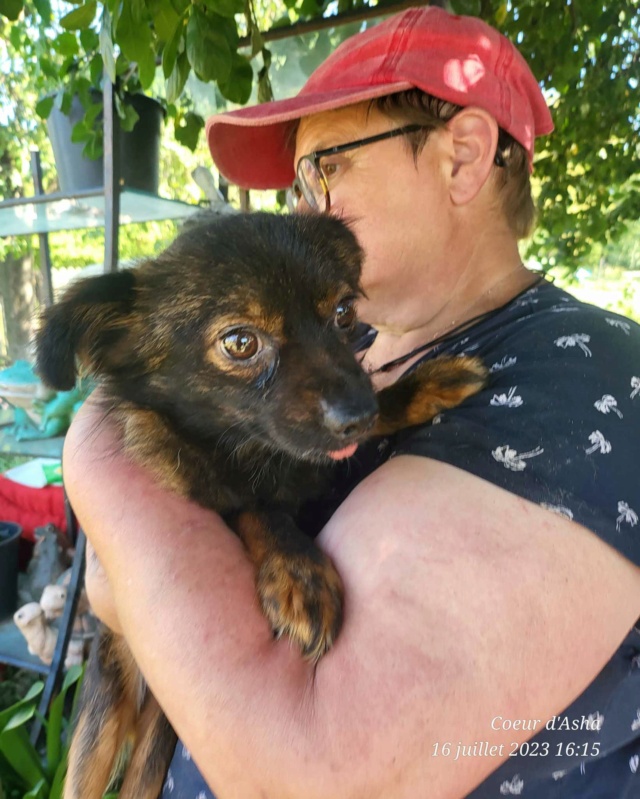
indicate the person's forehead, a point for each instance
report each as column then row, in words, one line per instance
column 328, row 128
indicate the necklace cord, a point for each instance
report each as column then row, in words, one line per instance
column 387, row 367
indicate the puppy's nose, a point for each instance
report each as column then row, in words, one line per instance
column 348, row 420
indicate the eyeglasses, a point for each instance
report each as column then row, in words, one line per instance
column 311, row 183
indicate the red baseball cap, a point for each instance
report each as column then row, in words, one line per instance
column 458, row 59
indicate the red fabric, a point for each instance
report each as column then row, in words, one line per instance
column 459, row 59
column 31, row 507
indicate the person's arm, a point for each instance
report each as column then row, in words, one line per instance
column 463, row 603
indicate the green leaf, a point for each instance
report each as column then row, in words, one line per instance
column 32, row 694
column 20, row 717
column 501, row 14
column 89, row 39
column 165, row 19
column 469, row 7
column 207, row 46
column 238, row 86
column 37, row 792
column 106, row 46
column 44, row 106
column 178, row 78
column 66, row 44
column 11, row 9
column 170, row 52
column 187, row 130
column 21, row 755
column 73, row 676
column 80, row 17
column 96, row 69
column 310, row 8
column 80, row 132
column 93, row 147
column 43, row 7
column 135, row 39
column 56, row 715
column 226, row 8
column 15, row 36
column 138, row 11
column 131, row 116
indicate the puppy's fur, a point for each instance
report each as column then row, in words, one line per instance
column 228, row 363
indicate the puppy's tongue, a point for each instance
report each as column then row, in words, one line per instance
column 339, row 454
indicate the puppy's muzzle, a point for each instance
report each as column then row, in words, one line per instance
column 348, row 420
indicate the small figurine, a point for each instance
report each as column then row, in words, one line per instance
column 41, row 638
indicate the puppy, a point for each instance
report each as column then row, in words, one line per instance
column 228, row 364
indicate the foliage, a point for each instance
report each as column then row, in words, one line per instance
column 587, row 57
column 26, row 771
column 14, row 683
column 585, row 53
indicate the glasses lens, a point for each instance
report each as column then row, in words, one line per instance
column 309, row 185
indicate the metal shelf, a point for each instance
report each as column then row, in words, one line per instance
column 55, row 212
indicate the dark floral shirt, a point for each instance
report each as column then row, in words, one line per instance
column 558, row 424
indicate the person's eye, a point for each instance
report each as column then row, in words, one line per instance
column 333, row 167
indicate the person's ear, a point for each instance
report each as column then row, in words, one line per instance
column 474, row 140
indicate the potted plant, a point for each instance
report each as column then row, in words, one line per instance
column 136, row 45
column 9, row 544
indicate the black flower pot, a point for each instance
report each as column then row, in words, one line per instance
column 139, row 149
column 9, row 544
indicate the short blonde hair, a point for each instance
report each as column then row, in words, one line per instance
column 414, row 106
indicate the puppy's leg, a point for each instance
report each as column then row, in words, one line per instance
column 298, row 586
column 155, row 742
column 434, row 386
column 106, row 717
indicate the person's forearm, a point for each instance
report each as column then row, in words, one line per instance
column 153, row 558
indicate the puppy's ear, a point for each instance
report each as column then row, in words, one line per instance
column 91, row 322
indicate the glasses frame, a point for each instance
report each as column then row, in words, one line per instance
column 314, row 159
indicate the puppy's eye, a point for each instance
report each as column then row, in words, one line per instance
column 241, row 345
column 345, row 315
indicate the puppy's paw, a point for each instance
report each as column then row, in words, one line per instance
column 443, row 383
column 458, row 378
column 302, row 596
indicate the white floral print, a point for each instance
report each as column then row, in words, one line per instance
column 510, row 400
column 635, row 724
column 512, row 788
column 627, row 515
column 595, row 721
column 607, row 404
column 512, row 460
column 505, row 363
column 599, row 443
column 625, row 326
column 576, row 340
column 635, row 385
column 560, row 510
column 633, row 763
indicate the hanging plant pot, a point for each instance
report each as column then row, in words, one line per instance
column 9, row 544
column 139, row 149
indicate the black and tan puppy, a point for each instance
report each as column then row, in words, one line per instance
column 227, row 363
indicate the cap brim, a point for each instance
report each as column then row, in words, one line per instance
column 251, row 146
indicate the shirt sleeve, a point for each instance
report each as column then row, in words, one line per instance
column 558, row 423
